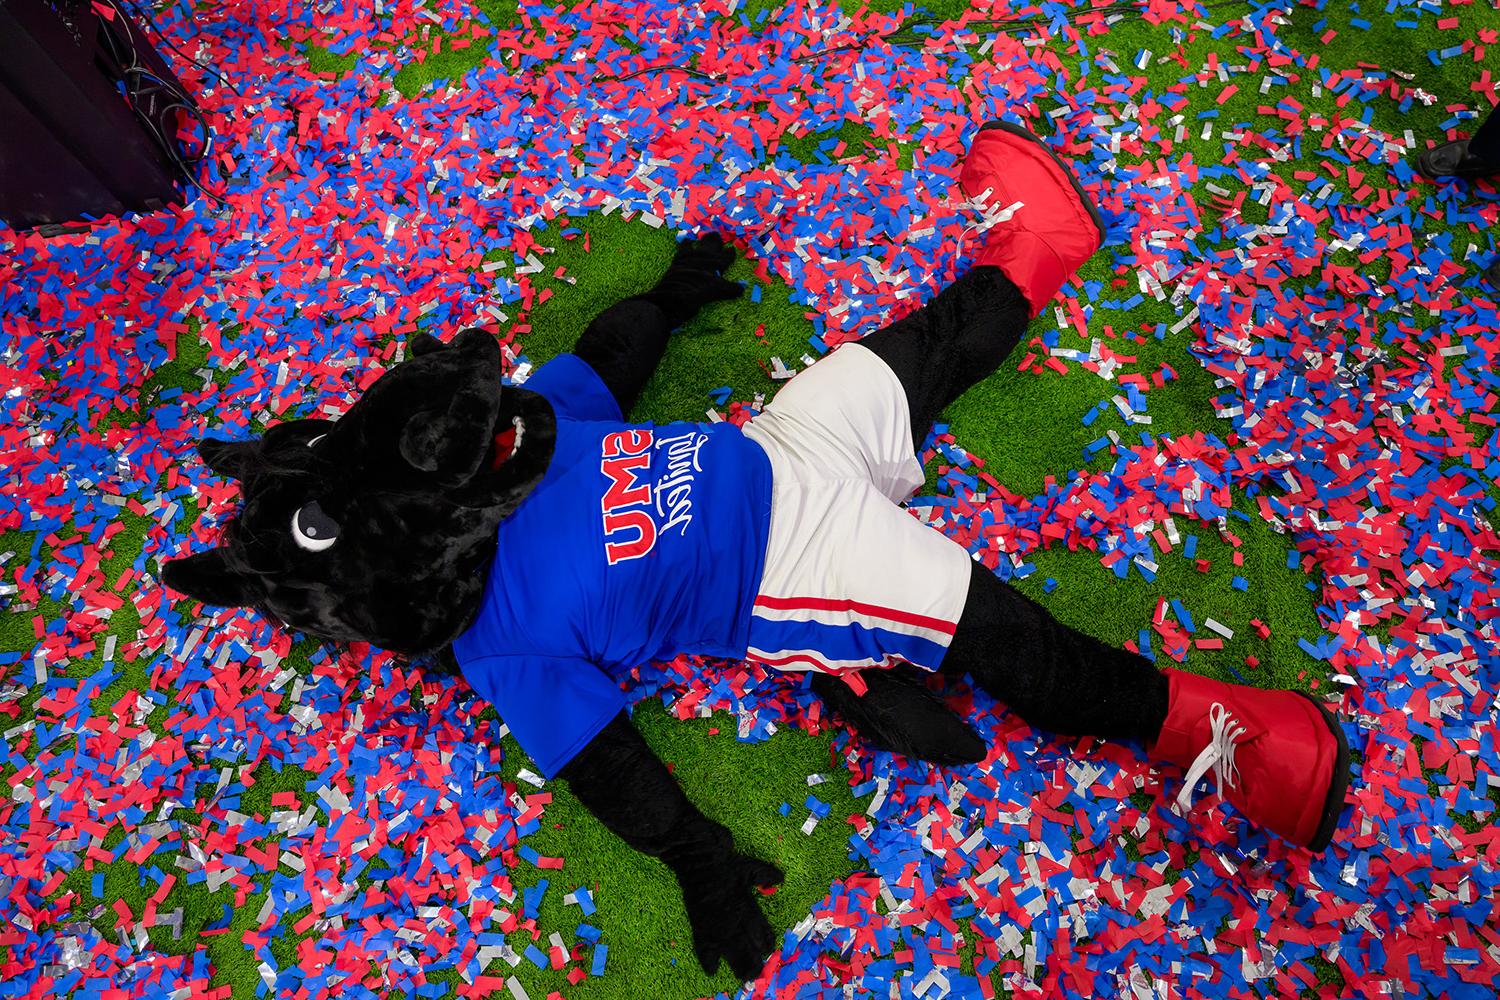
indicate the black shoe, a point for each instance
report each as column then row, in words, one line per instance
column 1453, row 159
column 1492, row 275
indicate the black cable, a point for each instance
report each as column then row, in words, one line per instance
column 208, row 142
column 186, row 164
column 142, row 99
column 142, row 12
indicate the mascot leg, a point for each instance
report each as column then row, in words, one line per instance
column 943, row 348
column 970, row 327
column 952, row 342
column 1278, row 755
column 1054, row 677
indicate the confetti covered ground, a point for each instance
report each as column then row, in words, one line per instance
column 1256, row 438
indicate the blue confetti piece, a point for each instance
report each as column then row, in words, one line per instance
column 532, row 898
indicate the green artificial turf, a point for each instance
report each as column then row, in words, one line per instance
column 1027, row 427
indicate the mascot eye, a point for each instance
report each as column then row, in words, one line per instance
column 312, row 529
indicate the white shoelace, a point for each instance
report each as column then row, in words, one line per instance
column 992, row 214
column 1218, row 755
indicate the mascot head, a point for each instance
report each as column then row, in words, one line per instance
column 379, row 526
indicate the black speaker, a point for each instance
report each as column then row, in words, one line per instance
column 89, row 114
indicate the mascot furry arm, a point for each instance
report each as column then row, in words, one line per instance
column 617, row 776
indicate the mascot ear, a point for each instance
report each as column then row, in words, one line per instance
column 424, row 343
column 230, row 459
column 208, row 577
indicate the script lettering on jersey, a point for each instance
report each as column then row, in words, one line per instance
column 674, row 494
column 636, row 512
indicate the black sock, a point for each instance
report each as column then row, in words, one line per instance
column 1054, row 677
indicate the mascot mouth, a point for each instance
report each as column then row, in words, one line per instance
column 508, row 442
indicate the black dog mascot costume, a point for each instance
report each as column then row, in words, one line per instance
column 547, row 542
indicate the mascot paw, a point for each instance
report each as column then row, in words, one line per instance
column 706, row 253
column 726, row 919
column 898, row 713
column 695, row 279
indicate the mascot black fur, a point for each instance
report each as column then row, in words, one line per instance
column 546, row 542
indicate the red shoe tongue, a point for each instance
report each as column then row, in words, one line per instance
column 505, row 446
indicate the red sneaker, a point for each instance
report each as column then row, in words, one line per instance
column 1278, row 756
column 1056, row 229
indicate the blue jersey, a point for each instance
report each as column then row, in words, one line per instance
column 640, row 542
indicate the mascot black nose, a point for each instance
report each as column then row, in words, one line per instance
column 455, row 439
